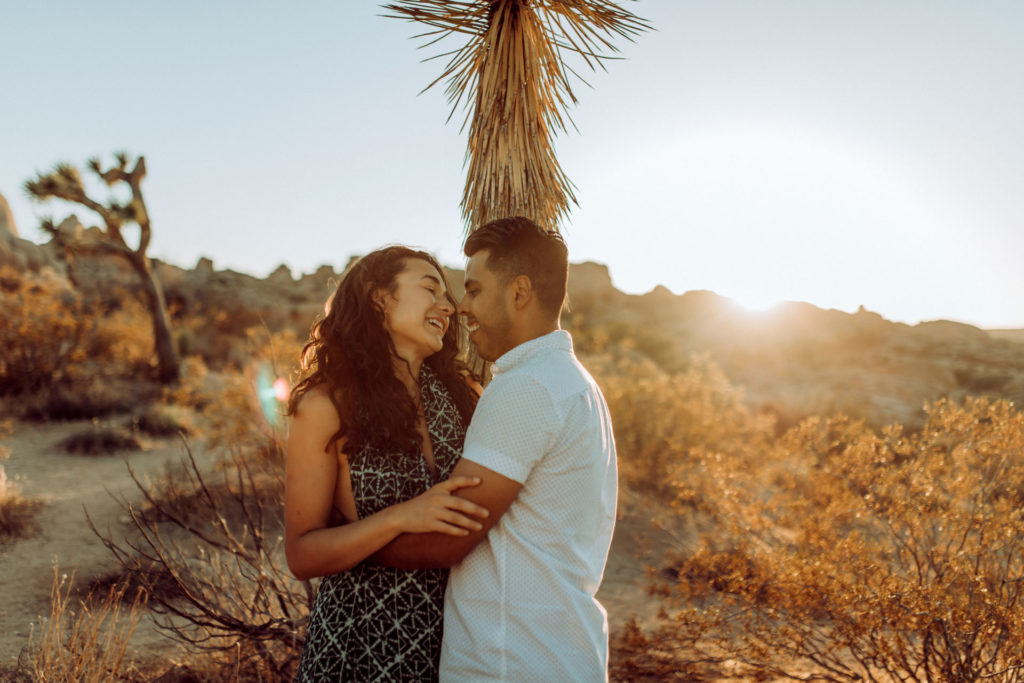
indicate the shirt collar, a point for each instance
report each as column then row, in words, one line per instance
column 559, row 340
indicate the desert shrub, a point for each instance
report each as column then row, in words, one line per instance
column 86, row 398
column 123, row 336
column 846, row 554
column 663, row 421
column 237, row 408
column 215, row 553
column 157, row 420
column 636, row 657
column 85, row 640
column 43, row 326
column 618, row 337
column 64, row 354
column 196, row 386
column 16, row 511
column 185, row 342
column 219, row 336
column 980, row 382
column 211, row 537
column 100, row 441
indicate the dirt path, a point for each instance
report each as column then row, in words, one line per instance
column 67, row 485
column 635, row 545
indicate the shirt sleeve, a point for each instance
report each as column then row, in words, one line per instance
column 512, row 427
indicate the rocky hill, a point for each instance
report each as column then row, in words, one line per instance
column 798, row 359
column 795, row 360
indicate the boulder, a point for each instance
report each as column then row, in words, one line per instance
column 22, row 254
column 7, row 225
column 281, row 276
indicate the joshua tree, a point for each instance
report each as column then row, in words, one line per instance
column 65, row 182
column 512, row 69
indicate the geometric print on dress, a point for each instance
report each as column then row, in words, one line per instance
column 373, row 623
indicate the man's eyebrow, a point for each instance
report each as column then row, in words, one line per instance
column 469, row 281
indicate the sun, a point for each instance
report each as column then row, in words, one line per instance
column 756, row 304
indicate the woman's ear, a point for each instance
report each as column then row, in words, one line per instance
column 378, row 298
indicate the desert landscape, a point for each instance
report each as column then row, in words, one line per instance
column 804, row 492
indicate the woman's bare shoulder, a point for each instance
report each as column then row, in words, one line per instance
column 316, row 406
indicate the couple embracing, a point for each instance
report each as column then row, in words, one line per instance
column 400, row 466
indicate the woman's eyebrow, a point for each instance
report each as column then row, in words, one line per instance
column 434, row 280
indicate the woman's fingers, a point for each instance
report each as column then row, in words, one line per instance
column 467, row 506
column 454, row 520
column 457, row 503
column 460, row 482
column 450, row 529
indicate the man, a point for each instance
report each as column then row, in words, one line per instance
column 520, row 603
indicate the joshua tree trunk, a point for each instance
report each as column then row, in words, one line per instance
column 163, row 342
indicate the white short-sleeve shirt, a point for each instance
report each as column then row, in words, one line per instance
column 521, row 605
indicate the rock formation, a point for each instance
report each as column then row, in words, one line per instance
column 799, row 359
column 7, row 224
column 795, row 360
column 19, row 253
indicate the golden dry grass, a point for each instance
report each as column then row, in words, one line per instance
column 85, row 641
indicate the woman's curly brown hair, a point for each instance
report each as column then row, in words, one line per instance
column 350, row 355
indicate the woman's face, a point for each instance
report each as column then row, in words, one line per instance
column 417, row 312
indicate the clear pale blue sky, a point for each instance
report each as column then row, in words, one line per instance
column 838, row 152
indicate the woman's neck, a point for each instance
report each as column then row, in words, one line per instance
column 408, row 372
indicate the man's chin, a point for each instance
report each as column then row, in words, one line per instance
column 483, row 352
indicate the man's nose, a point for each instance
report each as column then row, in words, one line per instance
column 462, row 308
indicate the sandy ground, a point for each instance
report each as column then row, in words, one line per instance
column 68, row 485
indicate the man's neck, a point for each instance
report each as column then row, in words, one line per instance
column 537, row 330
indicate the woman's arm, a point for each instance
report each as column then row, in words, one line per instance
column 311, row 477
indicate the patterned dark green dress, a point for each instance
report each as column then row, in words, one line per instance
column 373, row 623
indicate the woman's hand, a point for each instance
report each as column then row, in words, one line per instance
column 438, row 510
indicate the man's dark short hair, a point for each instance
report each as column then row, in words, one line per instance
column 518, row 246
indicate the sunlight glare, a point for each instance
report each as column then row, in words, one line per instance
column 770, row 213
column 756, row 305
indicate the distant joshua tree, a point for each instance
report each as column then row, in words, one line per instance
column 512, row 69
column 65, row 182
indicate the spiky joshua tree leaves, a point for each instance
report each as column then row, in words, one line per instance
column 513, row 78
column 65, row 182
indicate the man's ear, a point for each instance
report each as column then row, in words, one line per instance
column 522, row 291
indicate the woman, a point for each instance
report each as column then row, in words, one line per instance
column 377, row 425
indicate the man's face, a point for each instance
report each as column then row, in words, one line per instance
column 486, row 307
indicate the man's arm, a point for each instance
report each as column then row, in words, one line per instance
column 423, row 551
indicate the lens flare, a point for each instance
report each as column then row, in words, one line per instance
column 271, row 392
column 281, row 389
